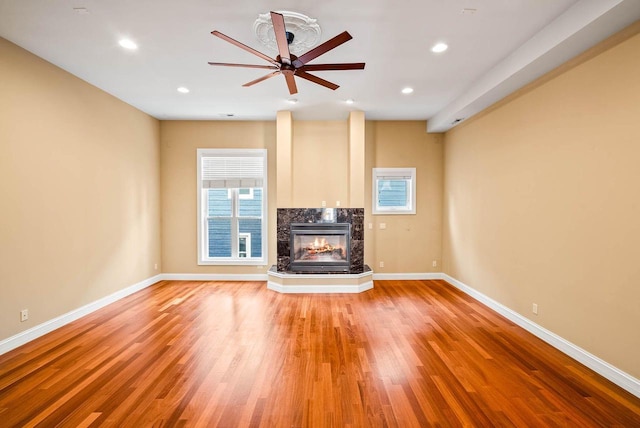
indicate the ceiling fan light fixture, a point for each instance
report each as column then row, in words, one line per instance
column 183, row 90
column 292, row 101
column 407, row 90
column 349, row 101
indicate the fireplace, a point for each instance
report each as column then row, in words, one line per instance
column 326, row 217
column 320, row 247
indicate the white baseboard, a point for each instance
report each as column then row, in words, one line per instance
column 214, row 277
column 334, row 288
column 407, row 276
column 615, row 375
column 26, row 336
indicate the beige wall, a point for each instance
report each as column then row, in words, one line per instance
column 79, row 185
column 542, row 204
column 410, row 243
column 320, row 163
column 179, row 142
column 320, row 171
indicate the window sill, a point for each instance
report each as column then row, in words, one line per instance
column 396, row 212
column 233, row 262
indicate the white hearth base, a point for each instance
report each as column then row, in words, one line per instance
column 283, row 282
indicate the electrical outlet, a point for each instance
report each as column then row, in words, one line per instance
column 24, row 315
column 383, row 225
column 337, row 203
column 382, row 264
column 435, row 263
column 155, row 266
column 370, row 225
column 324, row 204
column 534, row 308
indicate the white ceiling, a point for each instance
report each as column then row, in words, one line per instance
column 500, row 47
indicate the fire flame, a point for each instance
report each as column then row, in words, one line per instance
column 319, row 245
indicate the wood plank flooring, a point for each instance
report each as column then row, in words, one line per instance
column 234, row 354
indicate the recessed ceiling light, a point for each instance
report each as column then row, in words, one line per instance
column 292, row 100
column 439, row 47
column 183, row 90
column 349, row 101
column 128, row 44
column 81, row 10
column 407, row 90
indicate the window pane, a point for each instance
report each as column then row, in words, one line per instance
column 219, row 237
column 219, row 204
column 242, row 246
column 393, row 193
column 254, row 227
column 251, row 207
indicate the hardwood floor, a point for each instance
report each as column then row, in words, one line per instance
column 234, row 354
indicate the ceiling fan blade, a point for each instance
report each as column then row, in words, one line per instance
column 243, row 46
column 265, row 77
column 291, row 82
column 322, row 49
column 226, row 64
column 323, row 67
column 316, row 79
column 281, row 37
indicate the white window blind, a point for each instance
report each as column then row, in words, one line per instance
column 232, row 171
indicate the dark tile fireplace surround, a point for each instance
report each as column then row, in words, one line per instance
column 353, row 216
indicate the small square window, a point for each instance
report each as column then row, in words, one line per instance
column 394, row 191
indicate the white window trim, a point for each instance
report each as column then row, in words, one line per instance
column 203, row 259
column 381, row 173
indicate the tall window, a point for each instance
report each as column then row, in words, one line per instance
column 232, row 206
column 394, row 191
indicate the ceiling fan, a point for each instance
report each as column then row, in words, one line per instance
column 288, row 64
